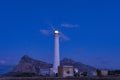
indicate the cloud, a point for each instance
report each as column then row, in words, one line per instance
column 45, row 32
column 2, row 61
column 69, row 25
column 64, row 37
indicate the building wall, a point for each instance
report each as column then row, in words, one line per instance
column 104, row 72
column 68, row 71
column 65, row 71
column 44, row 71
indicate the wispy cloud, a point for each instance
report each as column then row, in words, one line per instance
column 45, row 32
column 64, row 37
column 69, row 25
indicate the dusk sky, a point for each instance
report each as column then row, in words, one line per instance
column 90, row 31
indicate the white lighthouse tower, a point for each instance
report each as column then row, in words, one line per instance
column 56, row 52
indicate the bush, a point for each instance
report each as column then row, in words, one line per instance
column 25, row 75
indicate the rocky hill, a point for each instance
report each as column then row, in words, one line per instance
column 30, row 65
column 82, row 67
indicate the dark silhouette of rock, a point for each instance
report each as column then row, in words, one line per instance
column 30, row 65
column 80, row 66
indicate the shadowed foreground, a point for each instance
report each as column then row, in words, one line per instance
column 47, row 78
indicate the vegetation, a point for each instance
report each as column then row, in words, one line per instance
column 26, row 75
column 98, row 72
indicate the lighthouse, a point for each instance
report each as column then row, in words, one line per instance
column 56, row 52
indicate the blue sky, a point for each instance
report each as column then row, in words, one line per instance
column 90, row 26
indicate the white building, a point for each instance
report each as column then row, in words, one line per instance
column 56, row 52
